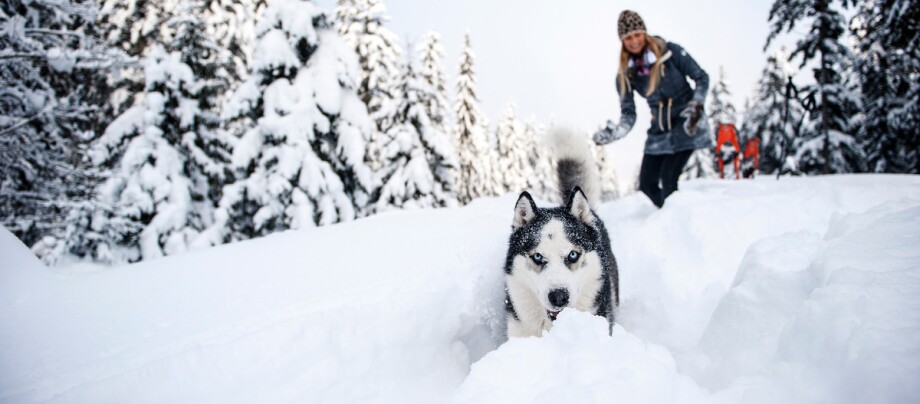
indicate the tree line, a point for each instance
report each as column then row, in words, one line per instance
column 859, row 111
column 134, row 129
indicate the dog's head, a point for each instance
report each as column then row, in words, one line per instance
column 554, row 251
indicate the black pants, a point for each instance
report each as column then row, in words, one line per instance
column 663, row 169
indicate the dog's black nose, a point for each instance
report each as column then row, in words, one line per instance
column 559, row 297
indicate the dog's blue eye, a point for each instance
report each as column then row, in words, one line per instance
column 573, row 256
column 538, row 258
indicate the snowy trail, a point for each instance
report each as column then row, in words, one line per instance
column 758, row 291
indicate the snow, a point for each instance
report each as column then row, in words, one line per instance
column 577, row 362
column 800, row 290
column 296, row 18
column 60, row 60
column 274, row 52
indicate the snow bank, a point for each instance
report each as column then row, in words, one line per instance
column 687, row 254
column 578, row 362
column 829, row 317
column 356, row 312
column 797, row 291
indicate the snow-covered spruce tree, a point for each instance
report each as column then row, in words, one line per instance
column 432, row 73
column 136, row 25
column 52, row 78
column 721, row 109
column 542, row 183
column 206, row 144
column 514, row 167
column 419, row 173
column 609, row 182
column 133, row 26
column 495, row 185
column 362, row 25
column 826, row 143
column 702, row 164
column 302, row 162
column 160, row 168
column 232, row 24
column 767, row 116
column 432, row 95
column 164, row 158
column 474, row 151
column 888, row 64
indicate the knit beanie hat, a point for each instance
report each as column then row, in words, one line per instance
column 628, row 23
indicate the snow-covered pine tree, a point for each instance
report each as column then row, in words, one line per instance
column 721, row 109
column 207, row 145
column 746, row 136
column 609, row 182
column 514, row 167
column 702, row 164
column 826, row 143
column 744, row 133
column 419, row 173
column 232, row 24
column 187, row 127
column 888, row 63
column 542, row 183
column 164, row 159
column 53, row 64
column 136, row 25
column 495, row 183
column 432, row 73
column 133, row 26
column 474, row 151
column 160, row 176
column 767, row 118
column 437, row 138
column 302, row 162
column 362, row 25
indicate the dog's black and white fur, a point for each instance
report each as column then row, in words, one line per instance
column 560, row 257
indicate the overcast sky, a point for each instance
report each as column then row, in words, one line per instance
column 556, row 60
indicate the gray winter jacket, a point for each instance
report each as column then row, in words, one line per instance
column 666, row 134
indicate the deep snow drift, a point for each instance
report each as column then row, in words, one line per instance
column 798, row 291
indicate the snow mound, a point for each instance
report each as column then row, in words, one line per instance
column 577, row 362
column 830, row 317
column 17, row 258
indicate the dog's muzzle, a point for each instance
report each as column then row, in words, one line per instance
column 559, row 298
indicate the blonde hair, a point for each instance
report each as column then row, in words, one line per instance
column 657, row 47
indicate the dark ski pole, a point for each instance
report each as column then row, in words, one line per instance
column 782, row 143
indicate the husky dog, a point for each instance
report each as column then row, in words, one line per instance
column 560, row 257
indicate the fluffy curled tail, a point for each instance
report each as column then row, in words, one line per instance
column 575, row 165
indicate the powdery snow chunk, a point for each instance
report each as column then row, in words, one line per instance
column 273, row 52
column 295, row 17
column 61, row 60
column 577, row 362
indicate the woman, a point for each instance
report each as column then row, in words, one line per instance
column 658, row 71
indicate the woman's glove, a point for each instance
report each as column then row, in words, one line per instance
column 609, row 133
column 692, row 115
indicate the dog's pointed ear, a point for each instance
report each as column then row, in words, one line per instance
column 525, row 210
column 579, row 207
